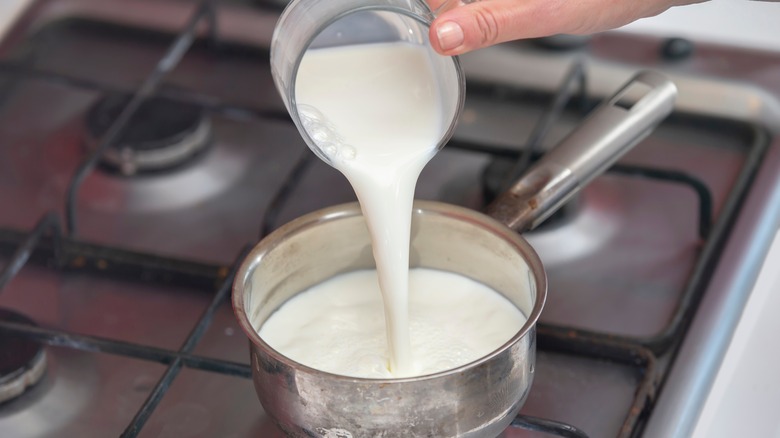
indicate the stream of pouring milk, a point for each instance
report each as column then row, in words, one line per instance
column 375, row 112
column 382, row 105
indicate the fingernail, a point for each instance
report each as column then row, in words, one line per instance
column 450, row 35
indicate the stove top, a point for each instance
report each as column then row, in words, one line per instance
column 121, row 226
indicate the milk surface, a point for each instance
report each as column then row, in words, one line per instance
column 338, row 325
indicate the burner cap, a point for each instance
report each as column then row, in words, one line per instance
column 161, row 135
column 22, row 361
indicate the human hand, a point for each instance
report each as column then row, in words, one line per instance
column 460, row 27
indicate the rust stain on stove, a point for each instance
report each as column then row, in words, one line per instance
column 78, row 262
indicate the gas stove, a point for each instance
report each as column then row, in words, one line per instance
column 143, row 149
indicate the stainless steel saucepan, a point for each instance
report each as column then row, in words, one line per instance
column 478, row 399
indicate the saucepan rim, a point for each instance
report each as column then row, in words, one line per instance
column 342, row 211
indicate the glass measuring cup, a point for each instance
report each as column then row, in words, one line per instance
column 315, row 24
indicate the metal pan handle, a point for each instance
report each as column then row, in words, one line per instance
column 610, row 131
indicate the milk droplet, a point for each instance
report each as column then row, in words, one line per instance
column 347, row 152
column 310, row 116
column 319, row 134
column 331, row 150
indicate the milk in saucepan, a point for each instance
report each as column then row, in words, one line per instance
column 338, row 325
column 375, row 112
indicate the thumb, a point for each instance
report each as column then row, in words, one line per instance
column 484, row 23
column 478, row 25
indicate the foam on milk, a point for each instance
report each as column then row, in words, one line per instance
column 375, row 112
column 338, row 325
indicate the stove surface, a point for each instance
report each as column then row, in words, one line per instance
column 130, row 293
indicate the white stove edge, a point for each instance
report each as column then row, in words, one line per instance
column 746, row 391
column 9, row 12
column 705, row 383
column 742, row 23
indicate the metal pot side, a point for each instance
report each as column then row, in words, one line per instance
column 476, row 400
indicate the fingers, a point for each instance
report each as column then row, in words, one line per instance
column 487, row 22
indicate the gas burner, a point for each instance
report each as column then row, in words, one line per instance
column 494, row 178
column 586, row 223
column 161, row 135
column 22, row 361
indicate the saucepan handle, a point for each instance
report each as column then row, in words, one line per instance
column 608, row 132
